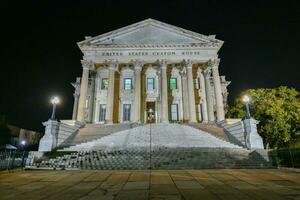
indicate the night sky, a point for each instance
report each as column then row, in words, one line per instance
column 40, row 57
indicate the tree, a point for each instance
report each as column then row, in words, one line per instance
column 4, row 131
column 277, row 109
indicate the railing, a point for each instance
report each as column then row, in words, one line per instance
column 285, row 157
column 12, row 159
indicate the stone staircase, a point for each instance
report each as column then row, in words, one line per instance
column 94, row 131
column 156, row 146
column 212, row 129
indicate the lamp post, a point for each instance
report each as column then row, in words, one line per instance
column 150, row 118
column 23, row 143
column 246, row 100
column 54, row 101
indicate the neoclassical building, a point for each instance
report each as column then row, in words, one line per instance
column 150, row 66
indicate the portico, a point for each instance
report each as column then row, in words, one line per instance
column 150, row 64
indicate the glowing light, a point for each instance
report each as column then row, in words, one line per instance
column 55, row 100
column 246, row 99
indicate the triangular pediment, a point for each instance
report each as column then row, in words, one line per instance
column 150, row 32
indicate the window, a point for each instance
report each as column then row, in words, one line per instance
column 104, row 84
column 173, row 83
column 127, row 83
column 126, row 112
column 174, row 112
column 150, row 83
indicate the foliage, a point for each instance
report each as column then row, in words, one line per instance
column 4, row 131
column 277, row 109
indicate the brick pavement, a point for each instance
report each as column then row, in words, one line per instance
column 230, row 184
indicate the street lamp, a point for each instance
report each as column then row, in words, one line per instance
column 54, row 101
column 150, row 115
column 246, row 100
column 23, row 143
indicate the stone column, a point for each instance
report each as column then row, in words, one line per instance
column 190, row 80
column 210, row 103
column 110, row 92
column 203, row 97
column 218, row 91
column 92, row 98
column 164, row 92
column 185, row 97
column 137, row 91
column 76, row 93
column 86, row 65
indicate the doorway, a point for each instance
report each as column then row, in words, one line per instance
column 150, row 106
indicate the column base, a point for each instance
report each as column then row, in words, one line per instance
column 109, row 122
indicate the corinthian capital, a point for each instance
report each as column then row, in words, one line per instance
column 87, row 64
column 112, row 64
column 162, row 63
column 138, row 64
column 214, row 63
column 188, row 63
column 207, row 72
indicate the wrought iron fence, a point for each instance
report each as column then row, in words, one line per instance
column 12, row 159
column 285, row 157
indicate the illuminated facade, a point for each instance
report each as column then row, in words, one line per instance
column 150, row 65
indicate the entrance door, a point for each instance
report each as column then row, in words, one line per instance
column 150, row 112
column 126, row 112
column 102, row 113
column 174, row 112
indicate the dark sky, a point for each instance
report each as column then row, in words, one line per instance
column 39, row 55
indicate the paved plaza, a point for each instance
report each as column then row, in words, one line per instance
column 181, row 184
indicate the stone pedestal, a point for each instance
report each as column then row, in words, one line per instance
column 253, row 140
column 49, row 141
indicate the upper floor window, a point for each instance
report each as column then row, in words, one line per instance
column 173, row 83
column 150, row 84
column 127, row 83
column 104, row 84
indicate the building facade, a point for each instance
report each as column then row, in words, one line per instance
column 150, row 67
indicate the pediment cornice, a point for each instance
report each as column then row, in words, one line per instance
column 150, row 33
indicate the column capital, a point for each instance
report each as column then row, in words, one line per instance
column 213, row 63
column 207, row 72
column 112, row 64
column 138, row 64
column 188, row 63
column 87, row 64
column 162, row 63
